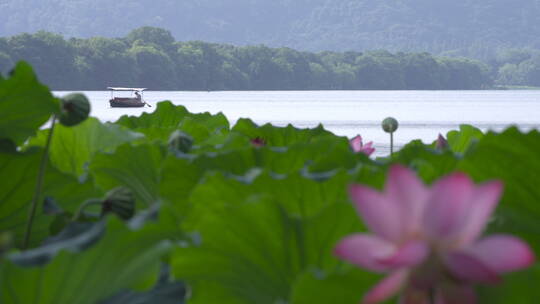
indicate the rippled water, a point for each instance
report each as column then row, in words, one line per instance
column 421, row 114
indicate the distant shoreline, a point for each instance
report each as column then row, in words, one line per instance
column 497, row 88
column 150, row 57
column 516, row 87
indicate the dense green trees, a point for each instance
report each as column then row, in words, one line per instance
column 150, row 57
column 102, row 62
column 518, row 67
column 47, row 52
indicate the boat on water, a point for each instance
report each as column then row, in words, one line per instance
column 134, row 101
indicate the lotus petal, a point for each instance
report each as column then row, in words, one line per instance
column 366, row 251
column 468, row 267
column 502, row 253
column 448, row 205
column 411, row 254
column 379, row 214
column 356, row 143
column 386, row 288
column 409, row 194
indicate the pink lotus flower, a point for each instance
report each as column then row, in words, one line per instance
column 358, row 146
column 427, row 238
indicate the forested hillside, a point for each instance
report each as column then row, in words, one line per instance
column 150, row 57
column 476, row 28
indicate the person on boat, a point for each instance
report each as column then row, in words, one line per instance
column 137, row 95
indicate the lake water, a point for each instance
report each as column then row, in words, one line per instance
column 421, row 114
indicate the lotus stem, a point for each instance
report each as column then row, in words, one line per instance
column 431, row 299
column 390, row 125
column 83, row 206
column 39, row 186
column 391, row 144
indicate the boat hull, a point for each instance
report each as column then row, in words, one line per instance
column 126, row 103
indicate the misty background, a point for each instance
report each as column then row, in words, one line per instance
column 504, row 35
column 474, row 28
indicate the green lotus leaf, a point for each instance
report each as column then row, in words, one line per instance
column 257, row 234
column 76, row 236
column 347, row 286
column 320, row 155
column 512, row 157
column 256, row 257
column 165, row 293
column 236, row 162
column 430, row 164
column 222, row 142
column 202, row 126
column 278, row 136
column 460, row 141
column 166, row 115
column 122, row 259
column 167, row 118
column 178, row 178
column 135, row 167
column 18, row 175
column 72, row 148
column 298, row 195
column 7, row 146
column 518, row 287
column 25, row 104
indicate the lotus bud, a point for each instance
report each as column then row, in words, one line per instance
column 180, row 141
column 258, row 142
column 119, row 201
column 442, row 143
column 390, row 124
column 75, row 109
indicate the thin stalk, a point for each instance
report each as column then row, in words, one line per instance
column 83, row 206
column 39, row 186
column 391, row 143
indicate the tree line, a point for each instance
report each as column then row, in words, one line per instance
column 150, row 57
column 517, row 67
column 470, row 28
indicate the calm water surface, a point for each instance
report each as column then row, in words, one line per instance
column 421, row 114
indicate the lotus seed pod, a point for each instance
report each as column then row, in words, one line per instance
column 119, row 201
column 75, row 109
column 390, row 125
column 180, row 142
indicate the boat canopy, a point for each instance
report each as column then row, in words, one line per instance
column 126, row 89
